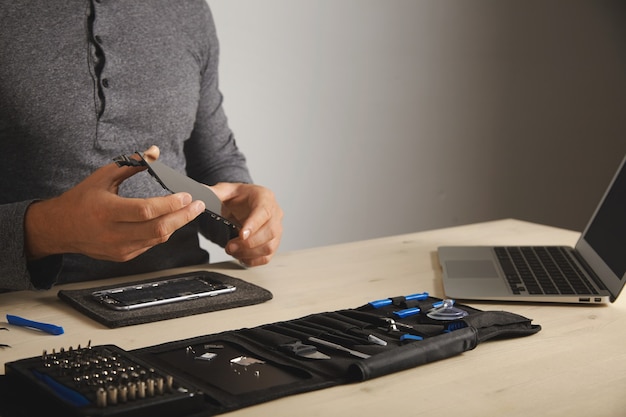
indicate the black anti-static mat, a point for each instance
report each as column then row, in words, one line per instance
column 246, row 294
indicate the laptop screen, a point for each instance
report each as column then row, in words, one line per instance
column 606, row 233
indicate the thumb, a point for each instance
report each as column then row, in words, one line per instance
column 152, row 153
column 112, row 175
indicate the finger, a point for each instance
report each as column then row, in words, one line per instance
column 259, row 217
column 265, row 213
column 270, row 230
column 141, row 236
column 257, row 261
column 135, row 210
column 241, row 250
column 152, row 153
column 264, row 241
column 111, row 175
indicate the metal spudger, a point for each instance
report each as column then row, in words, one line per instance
column 339, row 347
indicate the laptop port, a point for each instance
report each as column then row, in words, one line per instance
column 584, row 299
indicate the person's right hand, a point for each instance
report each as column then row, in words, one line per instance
column 93, row 220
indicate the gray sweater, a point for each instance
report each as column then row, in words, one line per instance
column 83, row 81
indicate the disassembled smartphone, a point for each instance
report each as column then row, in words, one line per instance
column 169, row 289
column 175, row 182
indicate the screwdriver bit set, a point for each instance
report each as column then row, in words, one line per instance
column 102, row 381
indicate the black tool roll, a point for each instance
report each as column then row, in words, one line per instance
column 235, row 369
column 216, row 373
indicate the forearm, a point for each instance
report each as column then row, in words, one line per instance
column 14, row 264
column 39, row 230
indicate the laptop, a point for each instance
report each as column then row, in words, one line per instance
column 594, row 271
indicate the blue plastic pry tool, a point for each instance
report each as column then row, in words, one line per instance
column 45, row 327
column 407, row 312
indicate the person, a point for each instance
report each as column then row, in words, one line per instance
column 84, row 81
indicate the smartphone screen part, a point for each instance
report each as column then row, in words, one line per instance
column 165, row 290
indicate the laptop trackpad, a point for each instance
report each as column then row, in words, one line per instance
column 471, row 269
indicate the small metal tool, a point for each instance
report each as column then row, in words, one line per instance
column 246, row 361
column 213, row 346
column 339, row 347
column 2, row 345
column 392, row 325
column 405, row 336
column 301, row 350
column 207, row 356
column 376, row 340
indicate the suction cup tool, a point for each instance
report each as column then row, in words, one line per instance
column 446, row 311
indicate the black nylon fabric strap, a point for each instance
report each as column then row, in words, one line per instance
column 414, row 354
column 398, row 301
column 494, row 324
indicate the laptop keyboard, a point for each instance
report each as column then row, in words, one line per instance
column 542, row 270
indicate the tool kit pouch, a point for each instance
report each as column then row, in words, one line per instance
column 217, row 373
column 239, row 368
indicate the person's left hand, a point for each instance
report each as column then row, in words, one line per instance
column 257, row 210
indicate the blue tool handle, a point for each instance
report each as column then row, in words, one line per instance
column 380, row 303
column 407, row 336
column 48, row 328
column 388, row 301
column 408, row 312
column 421, row 296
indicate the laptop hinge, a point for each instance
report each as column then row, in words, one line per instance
column 590, row 272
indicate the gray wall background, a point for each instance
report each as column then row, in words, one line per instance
column 370, row 118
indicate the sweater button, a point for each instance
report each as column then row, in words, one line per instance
column 105, row 82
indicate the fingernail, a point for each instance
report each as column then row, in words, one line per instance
column 232, row 248
column 198, row 206
column 186, row 198
column 245, row 234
